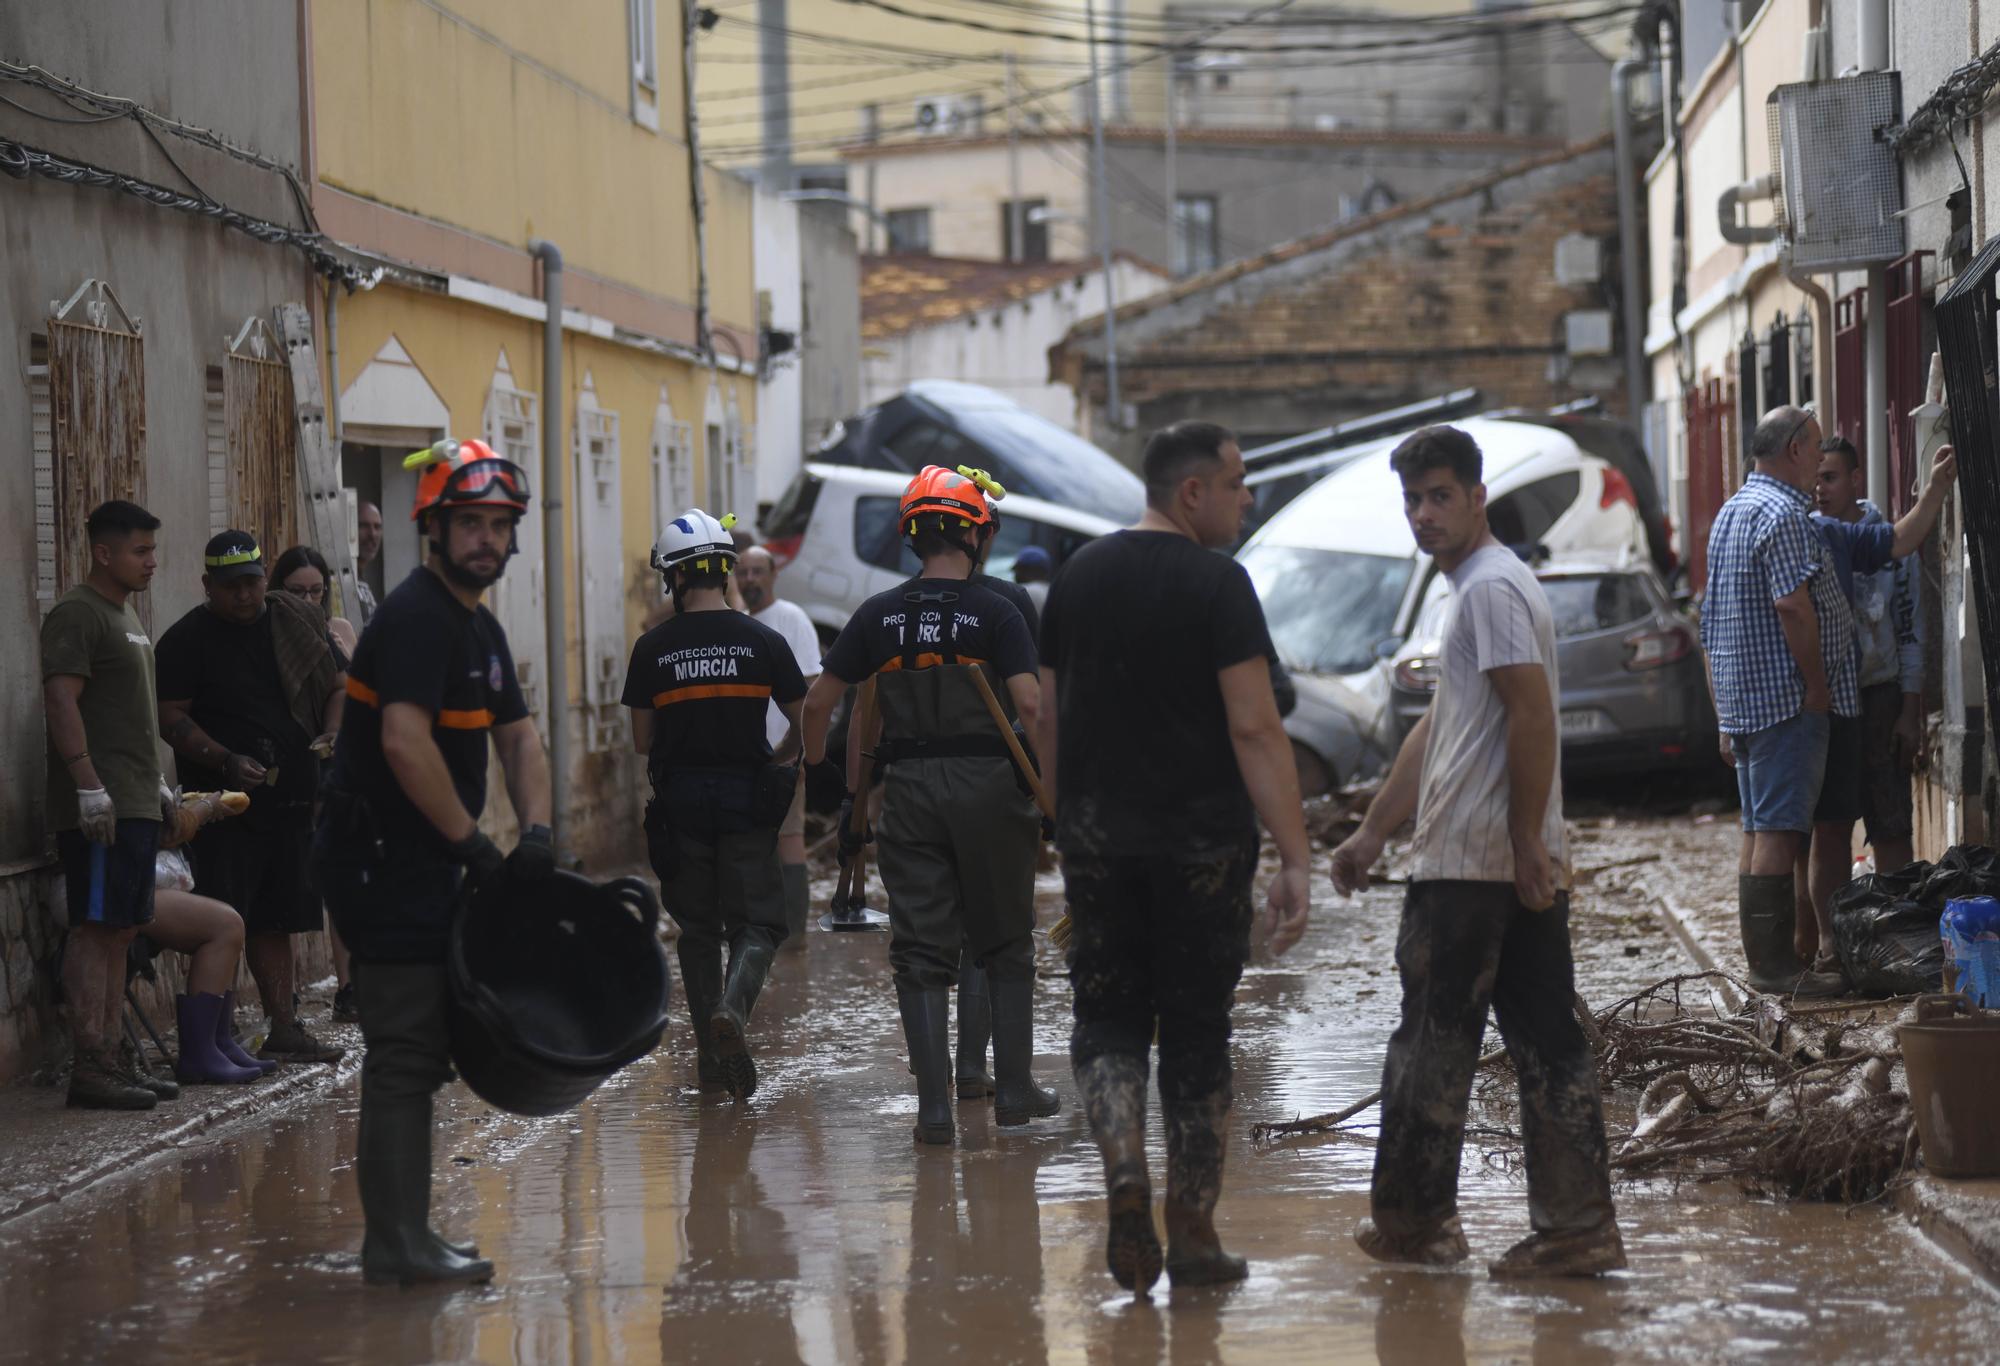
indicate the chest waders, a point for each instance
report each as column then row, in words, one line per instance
column 957, row 847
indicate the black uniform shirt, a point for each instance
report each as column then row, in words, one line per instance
column 229, row 675
column 980, row 625
column 708, row 678
column 1017, row 595
column 425, row 647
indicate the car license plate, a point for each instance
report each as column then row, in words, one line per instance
column 1589, row 722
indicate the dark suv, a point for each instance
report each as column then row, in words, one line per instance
column 942, row 422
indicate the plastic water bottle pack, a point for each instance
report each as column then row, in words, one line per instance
column 1970, row 927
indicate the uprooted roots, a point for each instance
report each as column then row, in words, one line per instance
column 1776, row 1097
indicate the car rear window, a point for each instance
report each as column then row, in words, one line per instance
column 793, row 512
column 1524, row 516
column 877, row 535
column 1584, row 604
column 1327, row 610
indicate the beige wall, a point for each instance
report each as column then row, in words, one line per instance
column 964, row 193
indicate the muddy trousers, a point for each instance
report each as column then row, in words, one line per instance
column 1462, row 947
column 957, row 848
column 1159, row 946
column 725, row 891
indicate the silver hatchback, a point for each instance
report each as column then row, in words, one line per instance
column 1634, row 698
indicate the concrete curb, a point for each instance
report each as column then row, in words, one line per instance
column 242, row 1104
column 1682, row 924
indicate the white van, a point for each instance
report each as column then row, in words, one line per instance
column 1342, row 580
column 834, row 533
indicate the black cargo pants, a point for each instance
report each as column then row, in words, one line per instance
column 725, row 888
column 1461, row 947
column 957, row 848
column 1159, row 945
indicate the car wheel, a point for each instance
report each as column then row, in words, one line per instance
column 1315, row 776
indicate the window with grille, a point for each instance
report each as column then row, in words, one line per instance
column 252, row 440
column 511, row 425
column 1034, row 244
column 1197, row 240
column 673, row 464
column 643, row 30
column 909, row 231
column 602, row 541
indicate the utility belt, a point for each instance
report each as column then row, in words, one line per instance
column 890, row 750
column 705, row 802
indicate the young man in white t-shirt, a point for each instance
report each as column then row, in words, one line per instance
column 757, row 580
column 1486, row 919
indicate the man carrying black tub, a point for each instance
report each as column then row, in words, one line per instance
column 431, row 681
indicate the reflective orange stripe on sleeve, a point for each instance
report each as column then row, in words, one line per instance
column 481, row 719
column 362, row 693
column 698, row 691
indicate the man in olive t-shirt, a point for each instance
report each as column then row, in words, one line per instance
column 106, row 797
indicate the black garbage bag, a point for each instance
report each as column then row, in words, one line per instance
column 554, row 987
column 1888, row 940
column 1965, row 870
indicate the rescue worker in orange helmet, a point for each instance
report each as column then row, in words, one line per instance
column 959, row 833
column 432, row 680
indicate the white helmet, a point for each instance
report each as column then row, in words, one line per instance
column 696, row 536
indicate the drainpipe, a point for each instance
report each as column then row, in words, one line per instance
column 333, row 364
column 555, row 607
column 1631, row 251
column 1733, row 228
column 1872, row 48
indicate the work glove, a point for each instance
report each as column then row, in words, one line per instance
column 481, row 856
column 169, row 801
column 96, row 815
column 851, row 839
column 534, row 856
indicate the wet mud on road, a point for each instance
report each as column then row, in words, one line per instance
column 804, row 1226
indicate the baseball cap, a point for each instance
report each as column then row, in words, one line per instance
column 231, row 555
column 1032, row 557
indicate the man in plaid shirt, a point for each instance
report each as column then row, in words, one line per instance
column 1779, row 640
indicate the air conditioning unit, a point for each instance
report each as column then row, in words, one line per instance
column 1839, row 190
column 947, row 116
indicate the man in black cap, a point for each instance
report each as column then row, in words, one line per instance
column 250, row 686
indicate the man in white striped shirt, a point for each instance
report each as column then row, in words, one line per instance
column 1486, row 919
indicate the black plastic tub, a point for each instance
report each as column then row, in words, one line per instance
column 553, row 988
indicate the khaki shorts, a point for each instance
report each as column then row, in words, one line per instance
column 795, row 814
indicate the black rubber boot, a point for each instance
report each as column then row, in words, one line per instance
column 1197, row 1138
column 393, row 1169
column 701, row 982
column 975, row 1029
column 1016, row 1098
column 729, row 1025
column 1767, row 913
column 798, row 903
column 1112, row 1090
column 927, row 1031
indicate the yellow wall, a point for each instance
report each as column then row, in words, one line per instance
column 526, row 132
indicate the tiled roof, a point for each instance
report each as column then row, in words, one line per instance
column 904, row 292
column 1327, row 237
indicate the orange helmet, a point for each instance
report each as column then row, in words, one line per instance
column 459, row 474
column 964, row 493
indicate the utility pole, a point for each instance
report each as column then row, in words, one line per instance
column 774, row 76
column 1101, row 210
column 1173, row 176
column 1016, row 247
column 871, row 129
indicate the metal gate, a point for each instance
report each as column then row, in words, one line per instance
column 1908, row 370
column 1850, row 384
column 97, row 426
column 1708, row 432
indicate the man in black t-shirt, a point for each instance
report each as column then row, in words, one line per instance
column 247, row 684
column 1163, row 749
column 700, row 687
column 432, row 682
column 958, row 835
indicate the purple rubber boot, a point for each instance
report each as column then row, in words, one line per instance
column 200, row 1059
column 225, row 1039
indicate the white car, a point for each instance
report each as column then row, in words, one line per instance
column 834, row 533
column 1342, row 580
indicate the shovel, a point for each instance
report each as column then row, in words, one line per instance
column 850, row 910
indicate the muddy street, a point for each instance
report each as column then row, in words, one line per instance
column 804, row 1227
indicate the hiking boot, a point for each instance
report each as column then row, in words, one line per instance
column 975, row 1031
column 1112, row 1090
column 96, row 1084
column 134, row 1069
column 1589, row 1252
column 1442, row 1246
column 294, row 1043
column 1016, row 1098
column 1197, row 1137
column 926, row 1026
column 730, row 1022
column 344, row 1010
